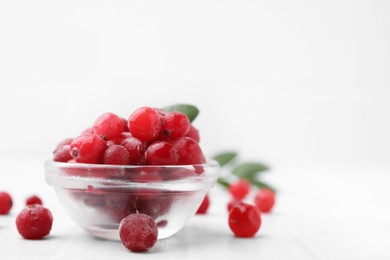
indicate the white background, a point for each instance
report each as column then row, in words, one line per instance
column 297, row 84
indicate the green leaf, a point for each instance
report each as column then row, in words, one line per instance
column 249, row 170
column 224, row 158
column 261, row 184
column 190, row 110
column 223, row 182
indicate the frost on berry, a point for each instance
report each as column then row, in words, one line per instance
column 244, row 220
column 34, row 222
column 138, row 232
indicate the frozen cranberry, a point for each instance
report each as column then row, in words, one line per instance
column 34, row 222
column 145, row 123
column 33, row 200
column 194, row 134
column 126, row 125
column 265, row 200
column 136, row 150
column 117, row 155
column 244, row 220
column 240, row 189
column 5, row 203
column 189, row 151
column 63, row 143
column 88, row 148
column 120, row 138
column 62, row 154
column 161, row 153
column 204, row 206
column 108, row 126
column 87, row 131
column 138, row 232
column 231, row 204
column 176, row 124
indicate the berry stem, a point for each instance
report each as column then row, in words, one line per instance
column 223, row 182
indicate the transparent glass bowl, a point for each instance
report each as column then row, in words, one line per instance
column 97, row 197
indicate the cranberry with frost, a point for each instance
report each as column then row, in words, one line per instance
column 189, row 151
column 265, row 200
column 138, row 232
column 176, row 124
column 5, row 203
column 108, row 126
column 33, row 200
column 62, row 154
column 34, row 222
column 88, row 148
column 145, row 123
column 161, row 153
column 204, row 206
column 240, row 189
column 244, row 220
column 232, row 203
column 136, row 149
column 194, row 134
column 117, row 155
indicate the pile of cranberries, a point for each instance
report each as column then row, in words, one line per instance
column 150, row 136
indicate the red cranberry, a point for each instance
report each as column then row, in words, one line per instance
column 138, row 232
column 33, row 200
column 63, row 143
column 231, row 204
column 194, row 134
column 120, row 138
column 204, row 206
column 108, row 125
column 189, row 151
column 240, row 189
column 161, row 153
column 265, row 200
column 145, row 124
column 34, row 222
column 62, row 154
column 136, row 150
column 117, row 155
column 244, row 220
column 5, row 203
column 176, row 124
column 88, row 148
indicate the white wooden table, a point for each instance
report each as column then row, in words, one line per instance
column 335, row 213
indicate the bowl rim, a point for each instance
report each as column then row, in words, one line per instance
column 49, row 162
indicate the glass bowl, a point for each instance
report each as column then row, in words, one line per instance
column 97, row 197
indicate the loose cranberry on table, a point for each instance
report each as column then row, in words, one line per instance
column 5, row 203
column 138, row 232
column 34, row 222
column 204, row 206
column 244, row 220
column 33, row 200
column 232, row 203
column 265, row 200
column 240, row 189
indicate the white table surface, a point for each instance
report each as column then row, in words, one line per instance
column 332, row 213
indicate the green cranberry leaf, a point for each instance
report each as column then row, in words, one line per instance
column 190, row 110
column 223, row 182
column 249, row 170
column 262, row 184
column 225, row 158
